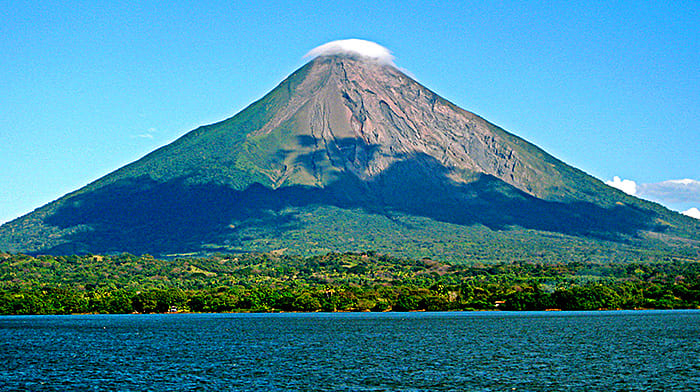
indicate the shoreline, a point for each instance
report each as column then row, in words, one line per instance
column 554, row 311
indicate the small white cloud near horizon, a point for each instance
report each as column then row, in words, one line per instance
column 693, row 213
column 627, row 186
column 677, row 195
column 358, row 47
column 672, row 191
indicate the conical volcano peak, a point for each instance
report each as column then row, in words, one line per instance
column 354, row 48
column 349, row 152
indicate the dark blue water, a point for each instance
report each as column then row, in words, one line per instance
column 485, row 351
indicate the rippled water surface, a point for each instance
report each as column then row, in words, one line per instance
column 486, row 351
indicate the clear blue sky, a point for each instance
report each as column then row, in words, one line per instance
column 612, row 88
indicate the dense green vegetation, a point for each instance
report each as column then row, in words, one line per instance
column 268, row 179
column 332, row 282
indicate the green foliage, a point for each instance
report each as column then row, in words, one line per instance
column 287, row 173
column 331, row 282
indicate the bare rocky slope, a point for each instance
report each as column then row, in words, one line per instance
column 348, row 154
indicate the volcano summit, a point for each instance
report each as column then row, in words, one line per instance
column 349, row 153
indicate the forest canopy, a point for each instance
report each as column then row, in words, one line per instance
column 368, row 281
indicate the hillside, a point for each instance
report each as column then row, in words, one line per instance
column 349, row 154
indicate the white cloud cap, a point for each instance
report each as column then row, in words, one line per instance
column 356, row 47
column 693, row 213
column 627, row 186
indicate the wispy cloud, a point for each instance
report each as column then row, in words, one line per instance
column 668, row 193
column 149, row 134
column 672, row 191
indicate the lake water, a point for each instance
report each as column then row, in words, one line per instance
column 480, row 351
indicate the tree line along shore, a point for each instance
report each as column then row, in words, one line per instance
column 333, row 282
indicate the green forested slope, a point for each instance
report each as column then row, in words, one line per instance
column 344, row 156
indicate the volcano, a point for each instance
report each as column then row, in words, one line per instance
column 349, row 153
